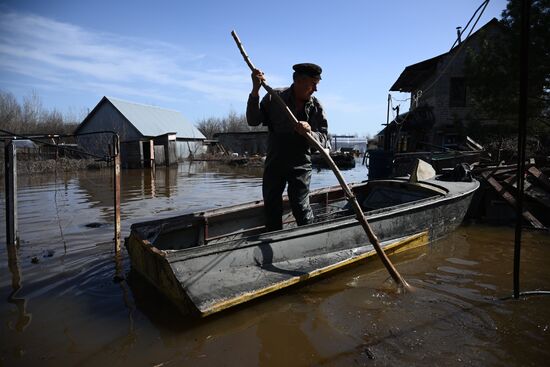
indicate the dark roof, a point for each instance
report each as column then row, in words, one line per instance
column 414, row 75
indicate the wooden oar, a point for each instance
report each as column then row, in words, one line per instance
column 349, row 194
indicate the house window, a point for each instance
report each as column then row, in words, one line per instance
column 457, row 92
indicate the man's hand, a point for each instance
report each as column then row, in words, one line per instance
column 302, row 128
column 257, row 79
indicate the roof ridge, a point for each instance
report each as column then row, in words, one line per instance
column 140, row 104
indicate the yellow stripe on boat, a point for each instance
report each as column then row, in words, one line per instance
column 405, row 244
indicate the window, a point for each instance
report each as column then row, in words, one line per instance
column 457, row 92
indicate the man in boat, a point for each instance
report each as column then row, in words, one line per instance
column 288, row 153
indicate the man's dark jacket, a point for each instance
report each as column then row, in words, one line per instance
column 288, row 153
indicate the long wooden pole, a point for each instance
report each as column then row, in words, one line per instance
column 349, row 194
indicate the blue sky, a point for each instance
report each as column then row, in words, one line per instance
column 180, row 55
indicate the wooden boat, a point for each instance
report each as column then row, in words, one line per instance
column 209, row 261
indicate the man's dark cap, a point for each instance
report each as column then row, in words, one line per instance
column 311, row 70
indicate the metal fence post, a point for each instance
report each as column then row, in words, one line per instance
column 116, row 171
column 10, row 175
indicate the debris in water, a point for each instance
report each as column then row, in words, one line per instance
column 94, row 225
column 369, row 353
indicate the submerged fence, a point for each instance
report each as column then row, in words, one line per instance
column 18, row 148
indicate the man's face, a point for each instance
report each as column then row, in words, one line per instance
column 304, row 87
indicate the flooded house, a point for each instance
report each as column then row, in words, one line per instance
column 440, row 109
column 149, row 135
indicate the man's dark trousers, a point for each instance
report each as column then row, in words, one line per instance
column 275, row 178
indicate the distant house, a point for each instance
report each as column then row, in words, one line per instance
column 148, row 134
column 439, row 107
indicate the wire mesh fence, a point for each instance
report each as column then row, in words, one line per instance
column 40, row 155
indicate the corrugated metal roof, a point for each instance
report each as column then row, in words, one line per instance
column 155, row 121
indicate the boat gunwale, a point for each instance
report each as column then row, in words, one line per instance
column 173, row 256
column 212, row 212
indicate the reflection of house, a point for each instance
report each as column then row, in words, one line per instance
column 247, row 142
column 147, row 133
column 439, row 109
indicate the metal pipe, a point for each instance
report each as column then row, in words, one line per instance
column 116, row 187
column 387, row 127
column 10, row 176
column 522, row 132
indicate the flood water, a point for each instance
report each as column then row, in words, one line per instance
column 66, row 300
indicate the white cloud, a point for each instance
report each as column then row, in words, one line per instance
column 70, row 57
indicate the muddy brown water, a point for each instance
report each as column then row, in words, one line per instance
column 67, row 301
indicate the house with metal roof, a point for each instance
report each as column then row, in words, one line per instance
column 148, row 134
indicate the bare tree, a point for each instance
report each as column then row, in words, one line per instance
column 233, row 122
column 209, row 126
column 10, row 111
column 31, row 117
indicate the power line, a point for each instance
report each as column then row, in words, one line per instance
column 459, row 48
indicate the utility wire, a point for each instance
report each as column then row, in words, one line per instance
column 458, row 49
column 485, row 3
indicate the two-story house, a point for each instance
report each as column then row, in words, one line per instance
column 439, row 101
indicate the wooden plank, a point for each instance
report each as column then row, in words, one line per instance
column 500, row 169
column 537, row 194
column 541, row 177
column 511, row 180
column 512, row 200
column 532, row 191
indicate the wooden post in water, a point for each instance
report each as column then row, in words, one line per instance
column 10, row 175
column 116, row 179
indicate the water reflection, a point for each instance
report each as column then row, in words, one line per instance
column 23, row 317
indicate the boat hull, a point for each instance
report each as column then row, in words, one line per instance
column 209, row 278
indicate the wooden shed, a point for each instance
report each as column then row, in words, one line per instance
column 148, row 134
